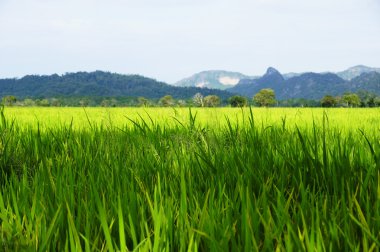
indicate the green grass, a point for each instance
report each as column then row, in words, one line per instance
column 200, row 180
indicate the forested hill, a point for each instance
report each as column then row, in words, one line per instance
column 307, row 85
column 97, row 83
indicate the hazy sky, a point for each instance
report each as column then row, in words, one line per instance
column 172, row 39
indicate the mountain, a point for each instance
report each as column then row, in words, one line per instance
column 366, row 81
column 226, row 80
column 217, row 79
column 313, row 86
column 290, row 75
column 248, row 87
column 356, row 71
column 97, row 84
column 105, row 84
column 307, row 85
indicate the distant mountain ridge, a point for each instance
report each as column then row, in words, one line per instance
column 307, row 85
column 220, row 79
column 271, row 79
column 97, row 83
column 356, row 71
column 366, row 81
column 105, row 84
column 217, row 79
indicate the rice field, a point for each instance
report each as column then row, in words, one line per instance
column 180, row 179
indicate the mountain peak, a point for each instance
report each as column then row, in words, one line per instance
column 272, row 75
column 356, row 71
column 359, row 67
column 218, row 79
column 272, row 71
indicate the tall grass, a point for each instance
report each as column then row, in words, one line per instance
column 178, row 183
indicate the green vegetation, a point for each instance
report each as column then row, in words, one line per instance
column 9, row 100
column 167, row 101
column 328, row 101
column 206, row 179
column 198, row 100
column 96, row 84
column 265, row 97
column 351, row 100
column 95, row 89
column 312, row 86
column 238, row 101
column 212, row 101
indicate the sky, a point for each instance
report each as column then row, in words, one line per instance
column 172, row 39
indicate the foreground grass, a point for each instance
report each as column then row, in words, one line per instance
column 174, row 180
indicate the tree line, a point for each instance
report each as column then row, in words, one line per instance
column 264, row 98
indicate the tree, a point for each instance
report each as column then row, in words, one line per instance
column 298, row 102
column 43, row 103
column 367, row 99
column 55, row 102
column 265, row 97
column 143, row 102
column 167, row 101
column 29, row 102
column 237, row 101
column 113, row 102
column 338, row 100
column 198, row 100
column 181, row 103
column 211, row 101
column 377, row 101
column 351, row 99
column 105, row 103
column 9, row 100
column 328, row 101
column 84, row 102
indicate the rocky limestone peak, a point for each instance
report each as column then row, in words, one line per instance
column 272, row 71
column 273, row 76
